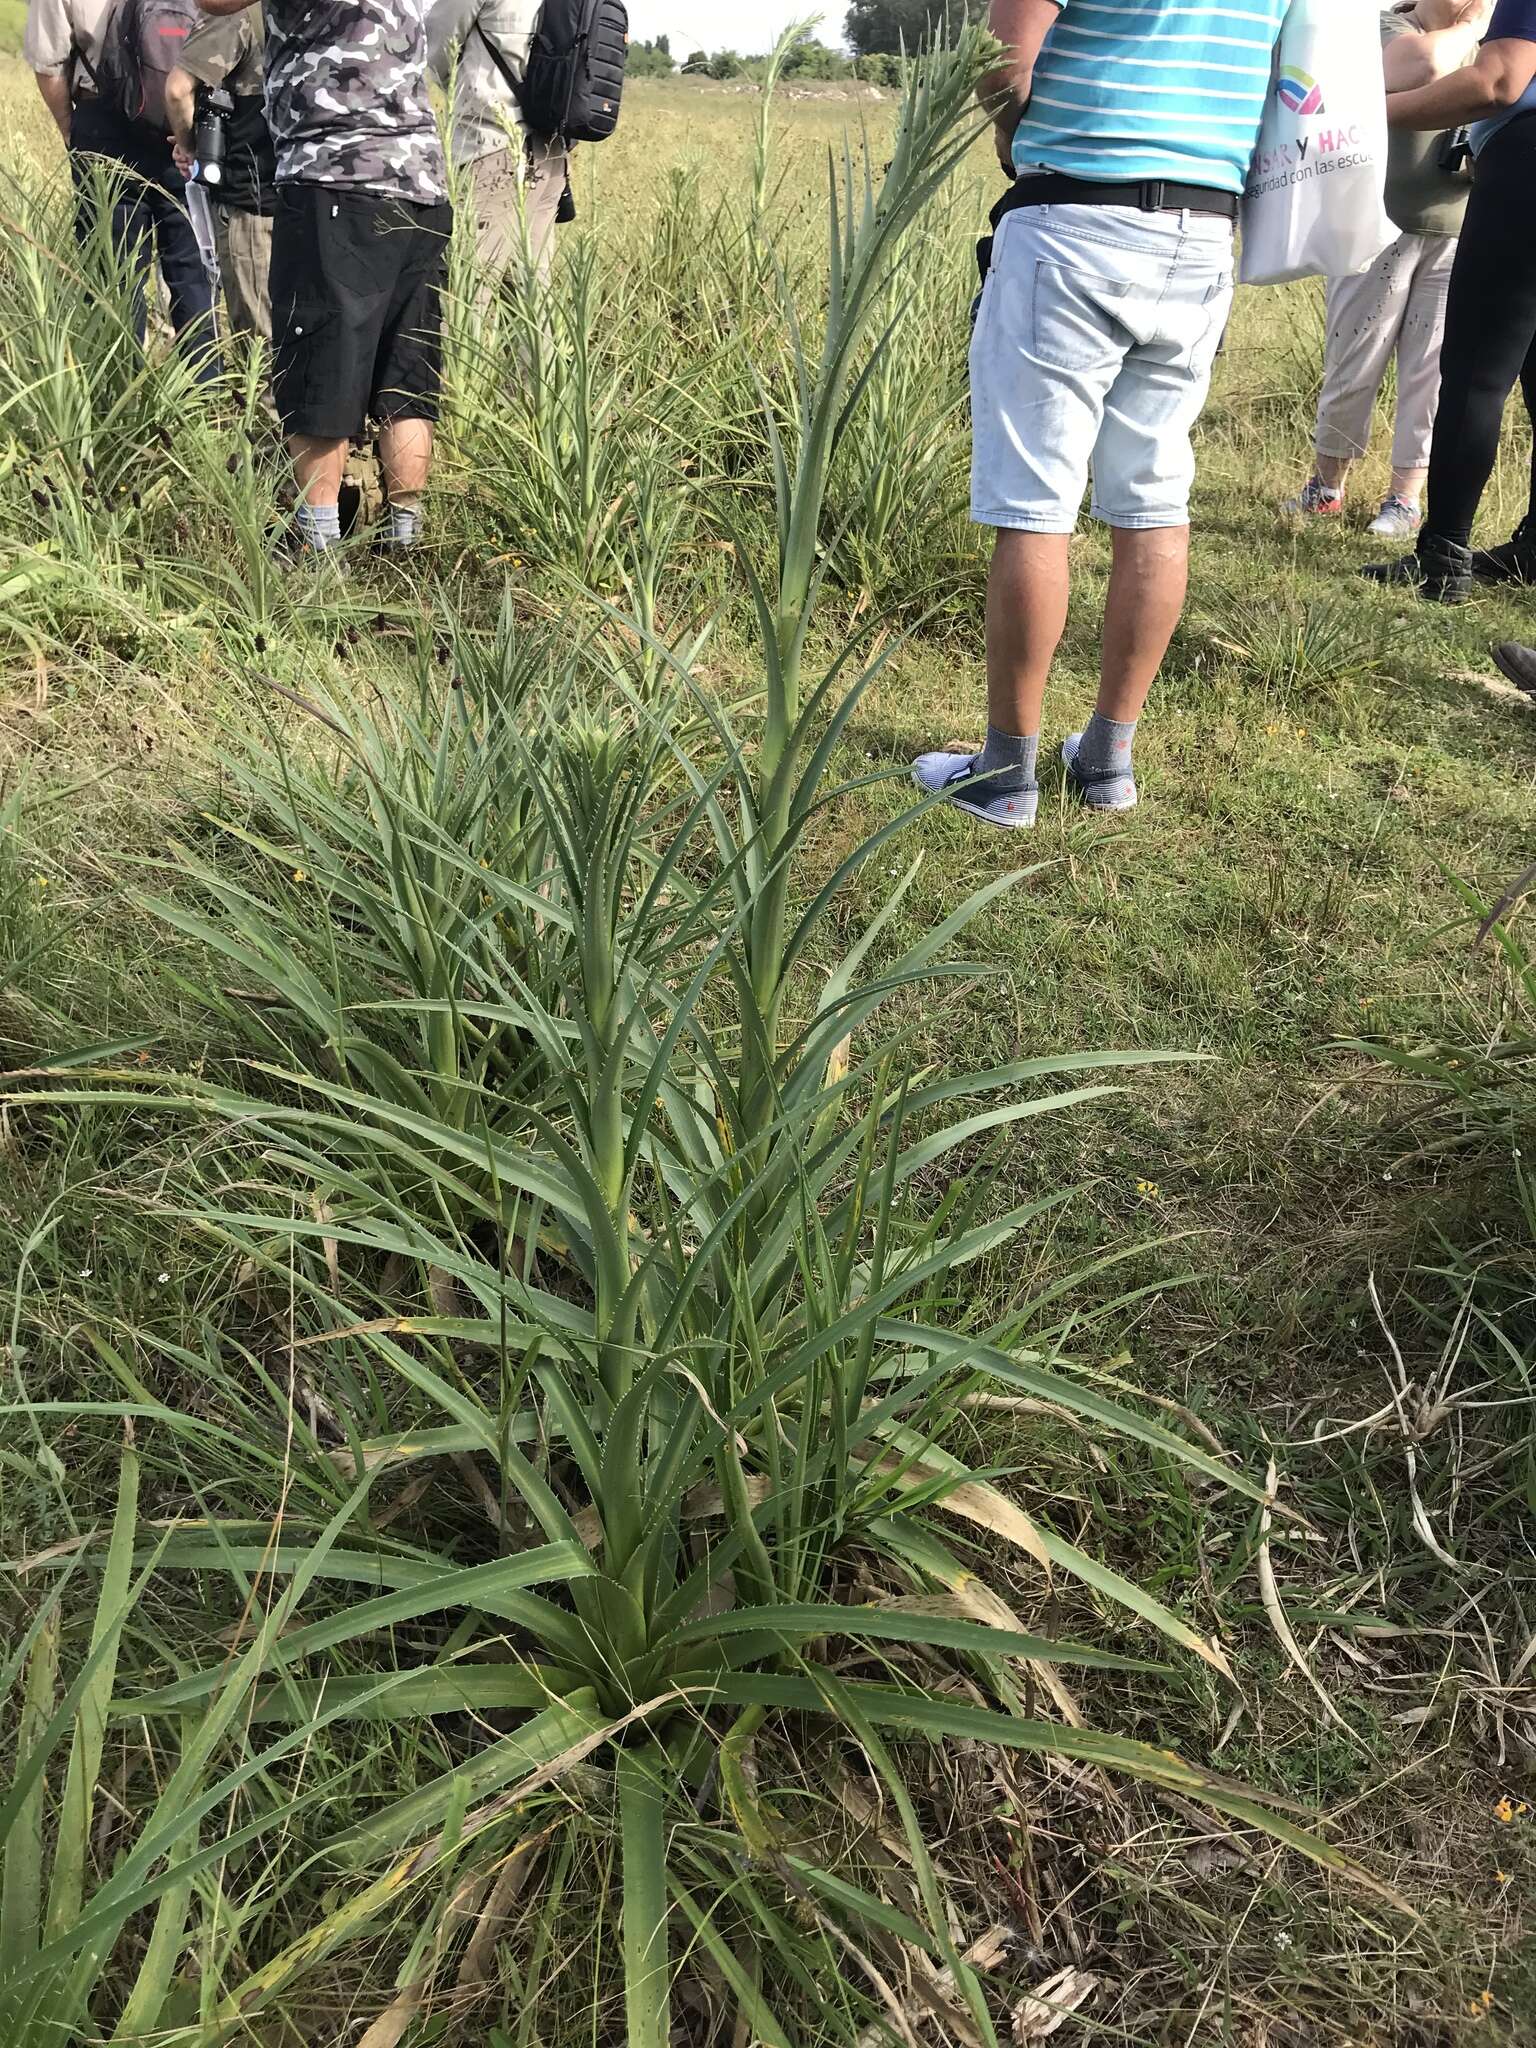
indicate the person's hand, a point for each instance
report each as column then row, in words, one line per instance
column 1004, row 132
column 182, row 157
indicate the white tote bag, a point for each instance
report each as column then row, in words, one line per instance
column 1316, row 199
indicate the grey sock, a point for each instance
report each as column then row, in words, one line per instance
column 1100, row 764
column 319, row 525
column 1106, row 748
column 1009, row 763
column 404, row 523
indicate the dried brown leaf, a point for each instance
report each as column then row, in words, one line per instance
column 1046, row 2009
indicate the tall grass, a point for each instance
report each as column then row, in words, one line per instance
column 575, row 1163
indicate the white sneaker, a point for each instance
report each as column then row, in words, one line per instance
column 1398, row 519
column 1098, row 792
column 954, row 776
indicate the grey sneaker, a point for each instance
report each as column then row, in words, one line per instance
column 1398, row 519
column 954, row 776
column 1099, row 792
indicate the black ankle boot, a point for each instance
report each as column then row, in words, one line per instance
column 1439, row 570
column 1515, row 562
column 1518, row 663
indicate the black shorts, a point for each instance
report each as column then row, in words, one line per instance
column 357, row 320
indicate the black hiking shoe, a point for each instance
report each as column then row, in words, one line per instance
column 1439, row 570
column 1515, row 562
column 1518, row 663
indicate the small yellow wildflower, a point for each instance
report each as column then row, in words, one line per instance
column 41, row 881
column 1501, row 1877
column 1149, row 1190
column 1504, row 1811
column 1301, row 732
column 299, row 875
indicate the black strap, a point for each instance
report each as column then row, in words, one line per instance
column 78, row 56
column 499, row 59
column 1152, row 195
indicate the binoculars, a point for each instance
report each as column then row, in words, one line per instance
column 210, row 137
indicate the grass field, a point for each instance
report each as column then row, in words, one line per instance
column 254, row 999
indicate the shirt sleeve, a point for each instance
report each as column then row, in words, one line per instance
column 448, row 26
column 1513, row 21
column 509, row 25
column 215, row 47
column 49, row 41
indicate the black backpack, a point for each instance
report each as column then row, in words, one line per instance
column 574, row 80
column 141, row 47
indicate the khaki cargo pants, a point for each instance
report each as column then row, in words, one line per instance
column 509, row 201
column 245, row 258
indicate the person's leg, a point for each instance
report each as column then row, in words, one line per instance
column 324, row 248
column 245, row 261
column 1515, row 560
column 1490, row 326
column 85, row 169
column 548, row 169
column 1144, row 470
column 1365, row 316
column 1147, row 589
column 408, row 369
column 105, row 185
column 405, row 456
column 186, row 275
column 133, row 242
column 1048, row 345
column 1418, row 366
column 515, row 200
column 1027, row 596
column 317, row 470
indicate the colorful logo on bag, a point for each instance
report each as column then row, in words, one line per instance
column 1300, row 91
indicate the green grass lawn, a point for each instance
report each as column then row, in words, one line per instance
column 1286, row 1241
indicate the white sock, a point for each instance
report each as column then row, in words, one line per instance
column 319, row 525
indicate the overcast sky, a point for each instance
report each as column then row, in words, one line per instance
column 745, row 25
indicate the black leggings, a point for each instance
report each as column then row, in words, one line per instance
column 1490, row 331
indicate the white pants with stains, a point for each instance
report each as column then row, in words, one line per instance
column 1396, row 308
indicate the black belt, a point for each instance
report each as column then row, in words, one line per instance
column 1153, row 195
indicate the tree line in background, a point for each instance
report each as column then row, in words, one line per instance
column 877, row 30
column 886, row 27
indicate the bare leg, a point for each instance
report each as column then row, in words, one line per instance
column 1146, row 601
column 1332, row 470
column 405, row 454
column 317, row 468
column 1026, row 616
column 1408, row 484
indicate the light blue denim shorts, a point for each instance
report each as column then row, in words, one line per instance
column 1094, row 345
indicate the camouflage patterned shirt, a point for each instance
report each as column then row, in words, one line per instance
column 347, row 98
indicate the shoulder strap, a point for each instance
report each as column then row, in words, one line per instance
column 498, row 58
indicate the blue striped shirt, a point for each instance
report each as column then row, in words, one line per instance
column 1142, row 89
